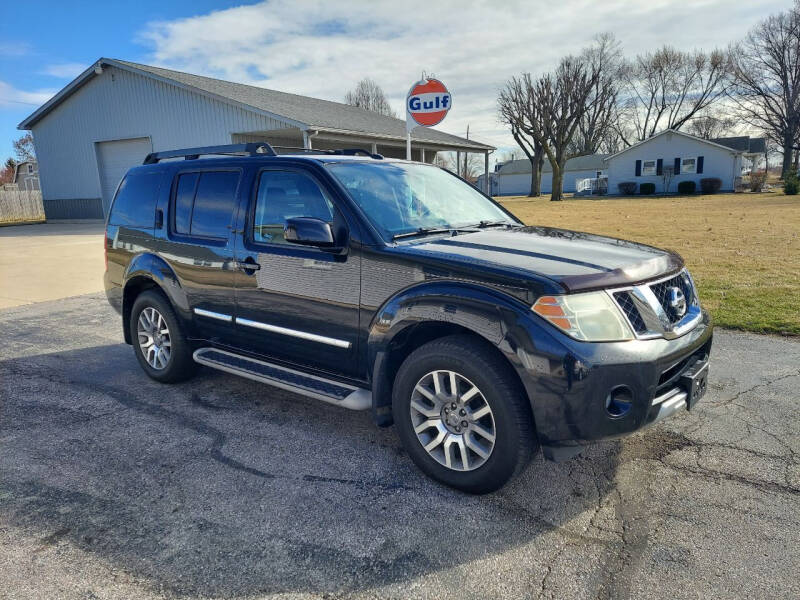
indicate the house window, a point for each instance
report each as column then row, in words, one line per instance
column 688, row 165
column 648, row 167
column 30, row 169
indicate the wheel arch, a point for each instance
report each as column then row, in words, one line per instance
column 431, row 311
column 145, row 272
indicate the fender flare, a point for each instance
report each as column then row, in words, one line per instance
column 155, row 269
column 500, row 319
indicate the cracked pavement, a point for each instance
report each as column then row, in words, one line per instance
column 114, row 486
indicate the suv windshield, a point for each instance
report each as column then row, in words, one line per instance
column 400, row 198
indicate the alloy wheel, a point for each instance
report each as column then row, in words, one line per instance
column 154, row 338
column 452, row 420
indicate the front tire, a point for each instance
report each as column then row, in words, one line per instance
column 462, row 415
column 158, row 340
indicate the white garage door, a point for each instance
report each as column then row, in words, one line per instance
column 113, row 161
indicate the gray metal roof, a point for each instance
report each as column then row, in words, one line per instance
column 301, row 111
column 590, row 162
column 744, row 143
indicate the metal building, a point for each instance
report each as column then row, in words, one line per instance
column 116, row 112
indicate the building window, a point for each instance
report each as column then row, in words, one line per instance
column 30, row 169
column 648, row 167
column 688, row 165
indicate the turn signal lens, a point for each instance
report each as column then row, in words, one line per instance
column 589, row 317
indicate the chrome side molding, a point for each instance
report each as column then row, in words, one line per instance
column 213, row 315
column 313, row 337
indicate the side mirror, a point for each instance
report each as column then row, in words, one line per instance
column 308, row 231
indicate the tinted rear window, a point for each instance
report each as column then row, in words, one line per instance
column 184, row 199
column 135, row 202
column 204, row 203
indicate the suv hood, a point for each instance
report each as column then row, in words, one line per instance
column 575, row 260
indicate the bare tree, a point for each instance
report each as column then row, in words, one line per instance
column 472, row 166
column 23, row 148
column 667, row 88
column 444, row 160
column 7, row 171
column 711, row 126
column 766, row 75
column 597, row 131
column 368, row 94
column 518, row 110
column 563, row 98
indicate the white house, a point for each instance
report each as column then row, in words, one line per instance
column 692, row 158
column 514, row 177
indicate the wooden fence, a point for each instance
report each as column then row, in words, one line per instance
column 21, row 206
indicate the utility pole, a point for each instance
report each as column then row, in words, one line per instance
column 466, row 156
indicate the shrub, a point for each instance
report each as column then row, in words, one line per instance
column 791, row 184
column 627, row 188
column 647, row 188
column 687, row 187
column 757, row 180
column 710, row 185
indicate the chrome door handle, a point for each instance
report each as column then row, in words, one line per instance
column 248, row 265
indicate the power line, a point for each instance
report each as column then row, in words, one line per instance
column 19, row 102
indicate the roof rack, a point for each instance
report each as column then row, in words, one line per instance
column 338, row 151
column 299, row 150
column 251, row 149
column 357, row 151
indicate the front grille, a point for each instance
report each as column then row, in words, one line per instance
column 629, row 308
column 661, row 291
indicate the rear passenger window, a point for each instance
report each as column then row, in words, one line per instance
column 204, row 203
column 135, row 203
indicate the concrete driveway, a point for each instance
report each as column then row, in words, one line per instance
column 113, row 486
column 50, row 261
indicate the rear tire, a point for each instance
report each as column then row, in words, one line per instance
column 498, row 439
column 158, row 339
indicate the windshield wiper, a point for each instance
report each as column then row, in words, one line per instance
column 484, row 224
column 423, row 231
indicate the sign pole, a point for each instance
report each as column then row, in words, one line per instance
column 408, row 143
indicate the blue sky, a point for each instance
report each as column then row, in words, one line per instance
column 44, row 45
column 322, row 47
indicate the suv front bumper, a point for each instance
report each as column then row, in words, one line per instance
column 594, row 391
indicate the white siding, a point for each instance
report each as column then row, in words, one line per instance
column 519, row 184
column 717, row 162
column 119, row 105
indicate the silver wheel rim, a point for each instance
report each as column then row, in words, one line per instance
column 452, row 420
column 154, row 340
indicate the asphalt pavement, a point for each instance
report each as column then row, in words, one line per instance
column 114, row 486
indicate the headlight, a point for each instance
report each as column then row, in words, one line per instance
column 590, row 317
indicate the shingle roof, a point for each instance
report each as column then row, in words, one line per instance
column 744, row 143
column 580, row 163
column 311, row 112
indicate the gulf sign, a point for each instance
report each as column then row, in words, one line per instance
column 428, row 102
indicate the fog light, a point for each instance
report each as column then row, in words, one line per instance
column 619, row 402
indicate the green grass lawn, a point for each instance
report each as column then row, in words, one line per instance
column 742, row 249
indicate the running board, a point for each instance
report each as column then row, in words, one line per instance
column 327, row 390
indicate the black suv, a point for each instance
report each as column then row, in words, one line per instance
column 397, row 287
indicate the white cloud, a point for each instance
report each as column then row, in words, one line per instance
column 64, row 70
column 322, row 48
column 11, row 97
column 9, row 48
